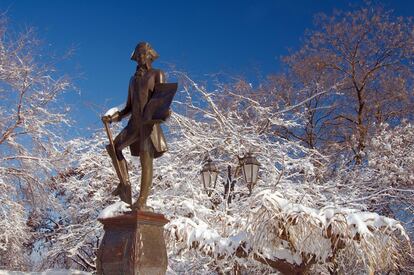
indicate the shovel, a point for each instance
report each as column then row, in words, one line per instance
column 111, row 151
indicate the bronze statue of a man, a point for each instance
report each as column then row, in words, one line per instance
column 143, row 133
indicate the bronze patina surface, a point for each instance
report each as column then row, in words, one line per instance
column 148, row 104
column 133, row 244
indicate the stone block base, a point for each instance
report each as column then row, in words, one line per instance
column 133, row 244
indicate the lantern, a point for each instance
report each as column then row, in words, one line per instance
column 250, row 168
column 208, row 176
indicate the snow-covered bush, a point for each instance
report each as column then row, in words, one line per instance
column 294, row 238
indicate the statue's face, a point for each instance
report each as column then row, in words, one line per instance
column 143, row 60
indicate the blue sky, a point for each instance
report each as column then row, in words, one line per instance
column 199, row 37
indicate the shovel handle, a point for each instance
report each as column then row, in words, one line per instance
column 111, row 141
column 109, row 133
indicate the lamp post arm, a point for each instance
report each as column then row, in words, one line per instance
column 236, row 171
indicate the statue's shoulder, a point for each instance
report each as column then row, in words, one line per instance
column 158, row 72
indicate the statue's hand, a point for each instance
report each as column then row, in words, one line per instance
column 114, row 118
column 106, row 119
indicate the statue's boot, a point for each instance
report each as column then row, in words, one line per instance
column 141, row 205
column 124, row 192
column 117, row 190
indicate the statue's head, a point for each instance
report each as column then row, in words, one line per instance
column 144, row 53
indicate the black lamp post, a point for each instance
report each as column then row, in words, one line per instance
column 250, row 169
column 229, row 185
column 208, row 175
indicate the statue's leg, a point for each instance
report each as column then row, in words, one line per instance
column 146, row 159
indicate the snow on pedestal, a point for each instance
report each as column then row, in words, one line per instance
column 113, row 210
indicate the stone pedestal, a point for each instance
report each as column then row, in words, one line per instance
column 133, row 244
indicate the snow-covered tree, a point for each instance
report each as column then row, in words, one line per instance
column 385, row 184
column 290, row 223
column 30, row 142
column 369, row 53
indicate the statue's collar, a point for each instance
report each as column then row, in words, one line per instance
column 142, row 70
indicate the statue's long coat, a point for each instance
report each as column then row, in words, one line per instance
column 140, row 90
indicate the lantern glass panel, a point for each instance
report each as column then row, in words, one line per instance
column 255, row 170
column 248, row 173
column 206, row 179
column 213, row 177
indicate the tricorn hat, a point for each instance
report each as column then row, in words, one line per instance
column 145, row 48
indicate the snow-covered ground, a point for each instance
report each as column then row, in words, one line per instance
column 47, row 272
